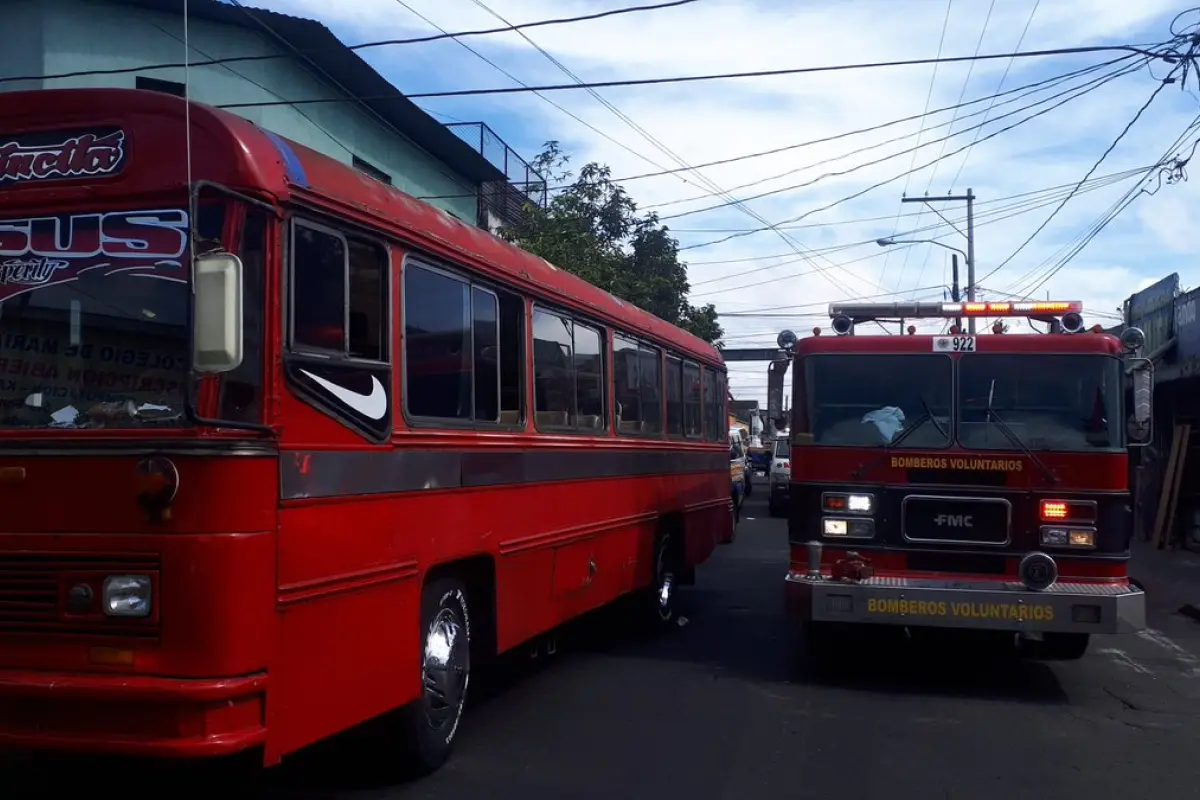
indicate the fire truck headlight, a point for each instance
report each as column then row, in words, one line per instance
column 860, row 503
column 1038, row 571
column 848, row 528
column 1053, row 536
column 127, row 595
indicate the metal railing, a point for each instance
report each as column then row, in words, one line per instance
column 523, row 183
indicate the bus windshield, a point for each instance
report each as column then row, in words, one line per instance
column 93, row 317
column 852, row 400
column 1067, row 403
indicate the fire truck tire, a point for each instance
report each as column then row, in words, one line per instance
column 1064, row 646
column 429, row 725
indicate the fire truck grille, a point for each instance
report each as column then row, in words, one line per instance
column 33, row 587
column 964, row 520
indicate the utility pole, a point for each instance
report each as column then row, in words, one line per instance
column 954, row 286
column 969, row 198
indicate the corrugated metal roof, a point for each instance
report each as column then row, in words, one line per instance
column 355, row 76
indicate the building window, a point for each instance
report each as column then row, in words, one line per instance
column 156, row 85
column 339, row 294
column 568, row 365
column 372, row 170
column 462, row 349
column 637, row 383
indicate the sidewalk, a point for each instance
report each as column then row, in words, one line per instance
column 1170, row 578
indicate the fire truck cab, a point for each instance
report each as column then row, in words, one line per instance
column 966, row 481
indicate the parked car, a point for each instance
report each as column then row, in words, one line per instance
column 781, row 477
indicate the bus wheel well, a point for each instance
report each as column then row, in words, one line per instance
column 673, row 526
column 478, row 574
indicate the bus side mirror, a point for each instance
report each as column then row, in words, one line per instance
column 1140, row 425
column 216, row 313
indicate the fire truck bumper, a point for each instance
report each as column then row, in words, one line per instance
column 130, row 715
column 990, row 605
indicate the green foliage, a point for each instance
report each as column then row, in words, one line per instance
column 592, row 228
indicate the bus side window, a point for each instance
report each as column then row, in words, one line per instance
column 241, row 389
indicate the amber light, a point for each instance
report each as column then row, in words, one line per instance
column 1054, row 510
column 835, row 502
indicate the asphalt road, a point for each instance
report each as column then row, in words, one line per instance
column 715, row 710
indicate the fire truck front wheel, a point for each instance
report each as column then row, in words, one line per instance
column 1059, row 647
column 429, row 724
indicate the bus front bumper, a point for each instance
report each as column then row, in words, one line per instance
column 130, row 714
column 985, row 605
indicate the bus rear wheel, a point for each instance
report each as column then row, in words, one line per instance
column 431, row 722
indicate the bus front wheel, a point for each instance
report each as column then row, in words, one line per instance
column 431, row 723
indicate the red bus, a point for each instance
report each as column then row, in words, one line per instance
column 283, row 449
column 963, row 481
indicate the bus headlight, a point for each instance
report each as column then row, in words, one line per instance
column 127, row 595
column 848, row 528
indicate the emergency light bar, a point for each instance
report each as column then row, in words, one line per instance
column 951, row 310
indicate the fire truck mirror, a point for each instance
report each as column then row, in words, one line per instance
column 1140, row 424
column 217, row 313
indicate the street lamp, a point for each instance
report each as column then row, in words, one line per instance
column 888, row 242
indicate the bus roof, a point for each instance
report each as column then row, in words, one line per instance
column 1101, row 343
column 232, row 151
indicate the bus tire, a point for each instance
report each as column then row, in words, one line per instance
column 431, row 723
column 655, row 606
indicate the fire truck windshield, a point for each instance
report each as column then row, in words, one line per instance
column 1067, row 403
column 893, row 400
column 93, row 317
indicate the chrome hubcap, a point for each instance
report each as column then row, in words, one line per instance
column 445, row 669
column 666, row 586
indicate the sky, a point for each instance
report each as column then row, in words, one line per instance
column 831, row 201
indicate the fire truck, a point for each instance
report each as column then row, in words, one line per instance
column 965, row 481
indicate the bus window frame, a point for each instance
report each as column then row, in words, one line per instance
column 605, row 373
column 454, row 271
column 641, row 341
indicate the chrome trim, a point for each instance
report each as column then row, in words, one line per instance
column 1007, row 527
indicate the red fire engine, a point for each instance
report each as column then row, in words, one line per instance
column 963, row 481
column 283, row 449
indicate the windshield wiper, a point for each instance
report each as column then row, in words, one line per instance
column 1013, row 438
column 905, row 432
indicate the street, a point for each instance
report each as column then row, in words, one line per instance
column 713, row 709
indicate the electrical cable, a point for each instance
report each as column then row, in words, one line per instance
column 1020, row 92
column 354, row 47
column 1079, row 90
column 991, row 217
column 1128, row 126
column 920, row 132
column 684, row 79
column 879, row 184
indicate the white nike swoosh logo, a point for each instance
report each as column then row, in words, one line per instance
column 372, row 406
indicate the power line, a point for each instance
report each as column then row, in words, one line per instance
column 1128, row 126
column 660, row 145
column 1079, row 91
column 862, row 220
column 354, row 47
column 1113, row 211
column 1020, row 92
column 679, row 79
column 991, row 217
column 886, row 181
column 920, row 132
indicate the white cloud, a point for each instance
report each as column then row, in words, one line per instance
column 703, row 122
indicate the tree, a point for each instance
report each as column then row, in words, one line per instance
column 592, row 228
